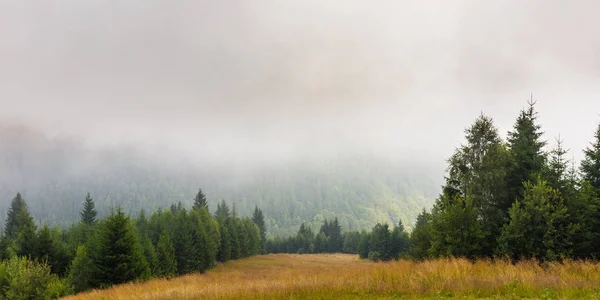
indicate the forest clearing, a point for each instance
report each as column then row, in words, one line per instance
column 342, row 276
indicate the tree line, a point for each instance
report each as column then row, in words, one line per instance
column 42, row 263
column 512, row 199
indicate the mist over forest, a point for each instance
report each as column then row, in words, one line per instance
column 308, row 109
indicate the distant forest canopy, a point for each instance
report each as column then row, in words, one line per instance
column 54, row 175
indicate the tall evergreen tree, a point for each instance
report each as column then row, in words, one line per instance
column 526, row 151
column 557, row 168
column 259, row 219
column 420, row 237
column 88, row 213
column 400, row 241
column 222, row 211
column 18, row 217
column 200, row 201
column 120, row 257
column 590, row 165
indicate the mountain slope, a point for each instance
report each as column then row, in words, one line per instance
column 55, row 174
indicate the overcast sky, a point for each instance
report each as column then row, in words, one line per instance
column 278, row 78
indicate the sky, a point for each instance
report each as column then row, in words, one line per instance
column 278, row 79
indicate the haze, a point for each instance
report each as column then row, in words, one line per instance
column 277, row 79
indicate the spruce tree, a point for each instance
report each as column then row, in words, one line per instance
column 200, row 201
column 420, row 237
column 222, row 211
column 400, row 241
column 167, row 264
column 18, row 217
column 120, row 257
column 88, row 213
column 380, row 243
column 526, row 151
column 259, row 220
column 557, row 168
column 590, row 165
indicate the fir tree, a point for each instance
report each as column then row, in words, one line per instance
column 200, row 201
column 222, row 211
column 259, row 220
column 88, row 213
column 590, row 165
column 18, row 217
column 120, row 257
column 420, row 238
column 527, row 157
column 557, row 168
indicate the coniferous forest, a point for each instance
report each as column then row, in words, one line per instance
column 42, row 262
column 514, row 199
column 519, row 198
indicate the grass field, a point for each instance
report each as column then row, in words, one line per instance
column 338, row 276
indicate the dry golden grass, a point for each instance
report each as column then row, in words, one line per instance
column 338, row 276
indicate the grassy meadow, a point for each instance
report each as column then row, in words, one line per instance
column 340, row 276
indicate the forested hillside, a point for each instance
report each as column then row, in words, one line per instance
column 54, row 175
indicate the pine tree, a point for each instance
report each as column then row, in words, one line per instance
column 167, row 264
column 526, row 150
column 120, row 257
column 590, row 165
column 81, row 271
column 200, row 201
column 259, row 220
column 88, row 213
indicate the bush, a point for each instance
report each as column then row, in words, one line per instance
column 21, row 278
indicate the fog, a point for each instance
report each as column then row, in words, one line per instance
column 273, row 80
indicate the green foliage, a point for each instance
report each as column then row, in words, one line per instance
column 539, row 226
column 82, row 270
column 200, row 201
column 259, row 219
column 167, row 264
column 119, row 257
column 400, row 242
column 528, row 159
column 88, row 213
column 420, row 238
column 351, row 240
column 380, row 243
column 24, row 279
column 363, row 245
column 590, row 165
column 456, row 229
